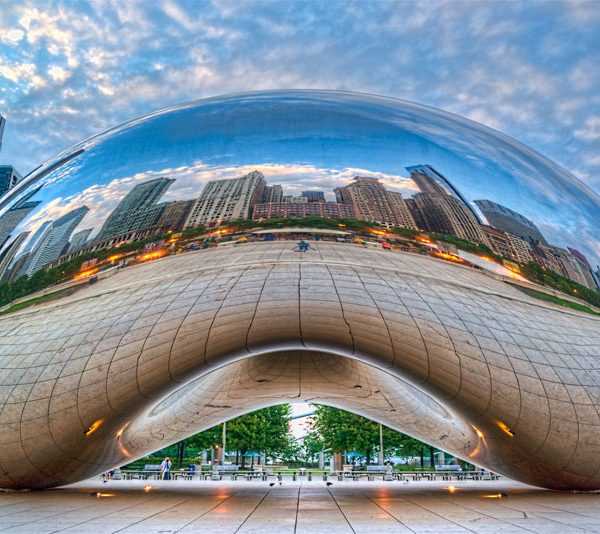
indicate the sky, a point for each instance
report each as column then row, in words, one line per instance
column 72, row 69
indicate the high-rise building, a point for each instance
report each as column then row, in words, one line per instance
column 138, row 209
column 597, row 276
column 56, row 240
column 563, row 262
column 510, row 221
column 174, row 215
column 285, row 210
column 2, row 123
column 8, row 254
column 16, row 213
column 227, row 200
column 370, row 201
column 293, row 199
column 272, row 193
column 9, row 177
column 79, row 239
column 314, row 196
column 508, row 245
column 582, row 265
column 440, row 207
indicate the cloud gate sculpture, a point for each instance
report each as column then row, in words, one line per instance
column 237, row 252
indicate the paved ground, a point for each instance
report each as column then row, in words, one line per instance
column 307, row 507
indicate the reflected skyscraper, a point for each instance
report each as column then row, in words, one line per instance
column 371, row 201
column 79, row 239
column 9, row 177
column 55, row 241
column 314, row 196
column 16, row 213
column 440, row 207
column 273, row 193
column 510, row 221
column 138, row 210
column 2, row 123
column 227, row 200
column 8, row 254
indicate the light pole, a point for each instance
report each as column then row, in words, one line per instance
column 224, row 443
column 381, row 459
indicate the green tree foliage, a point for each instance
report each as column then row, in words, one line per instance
column 339, row 431
column 536, row 273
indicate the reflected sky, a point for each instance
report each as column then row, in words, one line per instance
column 312, row 140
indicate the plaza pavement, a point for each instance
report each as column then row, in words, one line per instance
column 169, row 507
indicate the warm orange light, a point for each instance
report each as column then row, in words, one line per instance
column 115, row 257
column 93, row 427
column 423, row 239
column 493, row 496
column 451, row 489
column 85, row 274
column 147, row 488
column 376, row 232
column 154, row 255
column 447, row 256
column 478, row 432
column 121, row 430
column 98, row 495
column 505, row 428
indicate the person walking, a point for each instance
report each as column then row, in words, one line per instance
column 165, row 469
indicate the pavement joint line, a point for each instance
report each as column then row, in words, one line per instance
column 98, row 516
column 341, row 511
column 150, row 516
column 423, row 507
column 297, row 509
column 252, row 512
column 206, row 512
column 389, row 513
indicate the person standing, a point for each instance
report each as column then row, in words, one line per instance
column 165, row 469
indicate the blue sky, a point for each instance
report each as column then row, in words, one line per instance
column 71, row 69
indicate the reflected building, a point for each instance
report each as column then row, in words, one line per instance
column 55, row 241
column 283, row 210
column 9, row 253
column 17, row 213
column 273, row 193
column 372, row 202
column 9, row 177
column 314, row 196
column 510, row 221
column 227, row 200
column 79, row 239
column 174, row 214
column 439, row 207
column 137, row 211
column 508, row 245
column 2, row 123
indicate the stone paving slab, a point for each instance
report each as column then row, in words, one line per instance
column 228, row 507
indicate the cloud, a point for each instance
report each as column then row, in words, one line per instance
column 590, row 130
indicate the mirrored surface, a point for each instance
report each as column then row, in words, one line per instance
column 453, row 176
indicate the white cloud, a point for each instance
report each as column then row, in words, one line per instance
column 58, row 74
column 590, row 130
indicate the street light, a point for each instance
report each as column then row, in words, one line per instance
column 381, row 460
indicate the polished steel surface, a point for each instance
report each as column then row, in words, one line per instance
column 158, row 351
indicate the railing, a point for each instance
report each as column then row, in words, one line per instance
column 309, row 475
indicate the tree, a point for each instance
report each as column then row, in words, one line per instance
column 341, row 431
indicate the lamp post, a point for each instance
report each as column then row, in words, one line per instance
column 381, row 459
column 224, row 443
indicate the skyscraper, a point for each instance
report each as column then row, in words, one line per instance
column 174, row 215
column 273, row 193
column 284, row 210
column 370, row 201
column 13, row 216
column 79, row 239
column 227, row 200
column 55, row 241
column 2, row 123
column 8, row 254
column 440, row 207
column 137, row 210
column 9, row 177
column 583, row 266
column 314, row 196
column 510, row 221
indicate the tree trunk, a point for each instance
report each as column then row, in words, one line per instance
column 431, row 457
column 180, row 452
column 243, row 453
column 422, row 459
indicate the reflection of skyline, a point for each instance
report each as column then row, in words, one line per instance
column 335, row 137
